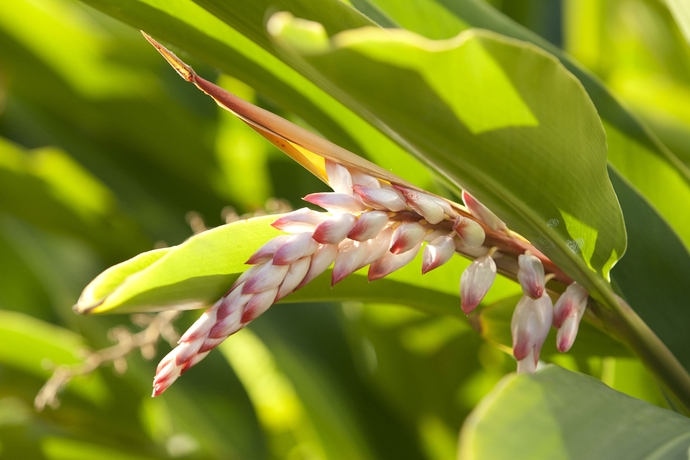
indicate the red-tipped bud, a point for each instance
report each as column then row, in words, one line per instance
column 437, row 252
column 339, row 178
column 266, row 252
column 351, row 256
column 258, row 304
column 530, row 326
column 377, row 247
column 424, row 205
column 268, row 276
column 567, row 314
column 389, row 262
column 301, row 220
column 483, row 213
column 320, row 261
column 531, row 275
column 369, row 224
column 470, row 233
column 476, row 281
column 381, row 198
column 406, row 236
column 297, row 246
column 334, row 229
column 294, row 277
column 336, row 202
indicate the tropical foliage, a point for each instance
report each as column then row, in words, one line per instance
column 569, row 119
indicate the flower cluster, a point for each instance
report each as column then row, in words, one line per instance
column 371, row 222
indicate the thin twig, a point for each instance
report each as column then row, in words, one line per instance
column 156, row 327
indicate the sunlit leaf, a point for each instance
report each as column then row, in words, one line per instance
column 560, row 414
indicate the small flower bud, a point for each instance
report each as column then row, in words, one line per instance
column 380, row 198
column 390, row 262
column 334, row 229
column 567, row 314
column 437, row 252
column 424, row 205
column 268, row 276
column 377, row 247
column 258, row 304
column 530, row 326
column 336, row 202
column 483, row 213
column 531, row 275
column 406, row 236
column 294, row 277
column 351, row 256
column 266, row 252
column 320, row 261
column 476, row 281
column 360, row 178
column 339, row 178
column 296, row 247
column 369, row 224
column 470, row 233
column 301, row 220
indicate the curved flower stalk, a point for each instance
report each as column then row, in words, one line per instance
column 373, row 219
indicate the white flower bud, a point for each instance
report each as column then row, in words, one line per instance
column 476, row 281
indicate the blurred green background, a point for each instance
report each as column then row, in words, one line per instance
column 105, row 153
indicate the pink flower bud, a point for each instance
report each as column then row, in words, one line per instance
column 483, row 213
column 351, row 256
column 406, row 236
column 531, row 275
column 470, row 233
column 390, row 262
column 334, row 229
column 476, row 281
column 424, row 205
column 360, row 178
column 530, row 326
column 320, row 261
column 266, row 252
column 258, row 304
column 301, row 220
column 298, row 270
column 377, row 247
column 380, row 198
column 336, row 202
column 339, row 178
column 268, row 276
column 567, row 314
column 297, row 246
column 437, row 252
column 369, row 224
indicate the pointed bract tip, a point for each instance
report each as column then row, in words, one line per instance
column 180, row 67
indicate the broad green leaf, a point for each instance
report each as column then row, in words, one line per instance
column 48, row 188
column 681, row 13
column 558, row 414
column 627, row 137
column 199, row 271
column 469, row 108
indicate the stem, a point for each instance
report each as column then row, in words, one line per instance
column 649, row 348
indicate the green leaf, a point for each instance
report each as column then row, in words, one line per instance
column 198, row 272
column 558, row 414
column 681, row 13
column 497, row 117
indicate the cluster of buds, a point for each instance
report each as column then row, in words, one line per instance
column 535, row 314
column 372, row 222
column 375, row 222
